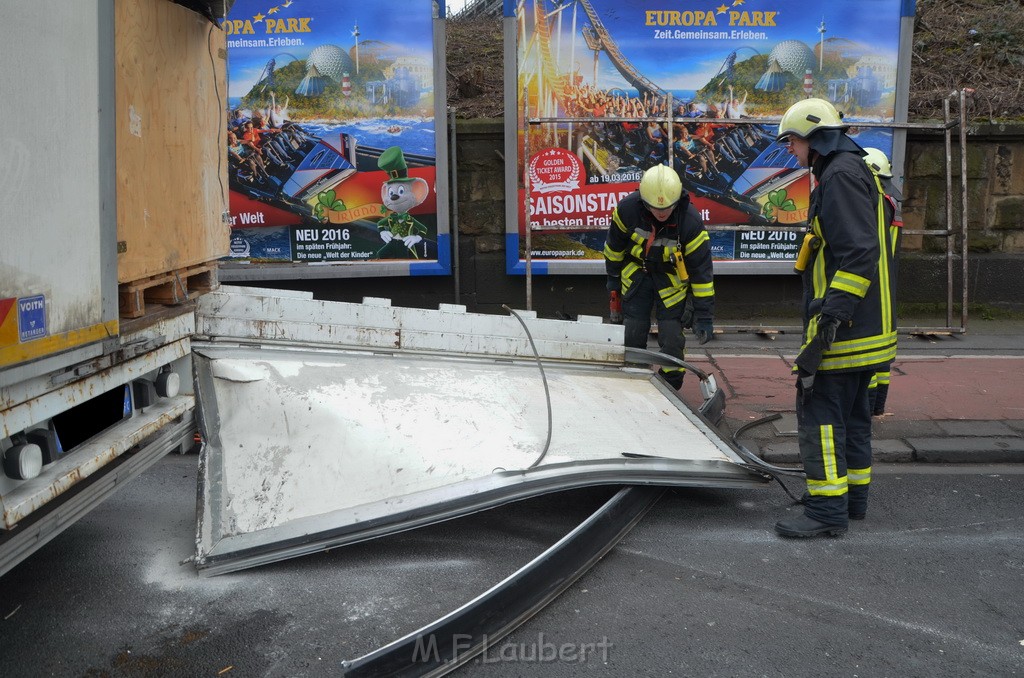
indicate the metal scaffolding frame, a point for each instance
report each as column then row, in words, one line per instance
column 949, row 233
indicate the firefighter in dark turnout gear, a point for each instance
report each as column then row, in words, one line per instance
column 658, row 257
column 878, row 389
column 850, row 330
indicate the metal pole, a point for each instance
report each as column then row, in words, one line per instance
column 671, row 115
column 454, row 226
column 526, row 199
column 963, row 207
column 949, row 216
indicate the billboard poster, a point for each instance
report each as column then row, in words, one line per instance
column 332, row 140
column 699, row 87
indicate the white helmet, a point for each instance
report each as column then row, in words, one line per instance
column 806, row 117
column 878, row 163
column 660, row 187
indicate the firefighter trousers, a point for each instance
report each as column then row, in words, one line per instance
column 834, row 426
column 637, row 305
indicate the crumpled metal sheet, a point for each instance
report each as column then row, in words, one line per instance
column 314, row 444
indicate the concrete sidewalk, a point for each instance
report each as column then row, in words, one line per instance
column 953, row 398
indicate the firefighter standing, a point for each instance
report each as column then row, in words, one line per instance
column 850, row 330
column 657, row 254
column 878, row 389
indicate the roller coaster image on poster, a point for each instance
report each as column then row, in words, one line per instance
column 342, row 167
column 716, row 70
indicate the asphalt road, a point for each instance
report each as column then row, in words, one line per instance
column 929, row 585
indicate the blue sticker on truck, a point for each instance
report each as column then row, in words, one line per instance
column 32, row 317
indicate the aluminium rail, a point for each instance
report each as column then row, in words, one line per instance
column 466, row 633
column 949, row 233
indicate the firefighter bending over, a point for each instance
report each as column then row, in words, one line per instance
column 658, row 257
column 849, row 324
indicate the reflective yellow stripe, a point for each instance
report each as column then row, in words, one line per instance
column 827, row 488
column 627, row 275
column 851, row 282
column 612, row 255
column 44, row 346
column 833, row 485
column 828, row 451
column 703, row 289
column 863, row 343
column 883, row 261
column 696, row 242
column 818, row 272
column 874, row 381
column 859, row 476
column 812, row 331
column 676, row 282
column 671, row 296
column 882, row 378
column 886, row 355
column 861, row 352
column 618, row 222
column 853, row 346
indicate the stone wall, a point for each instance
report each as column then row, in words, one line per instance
column 996, row 238
column 995, row 189
column 995, row 216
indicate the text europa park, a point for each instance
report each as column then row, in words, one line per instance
column 295, row 25
column 658, row 17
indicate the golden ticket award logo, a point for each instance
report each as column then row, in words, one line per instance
column 555, row 169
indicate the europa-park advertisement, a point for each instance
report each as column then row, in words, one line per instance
column 711, row 71
column 332, row 140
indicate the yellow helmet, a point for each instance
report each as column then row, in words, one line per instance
column 660, row 187
column 806, row 117
column 878, row 163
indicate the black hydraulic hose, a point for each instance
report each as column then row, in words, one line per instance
column 656, row 358
column 544, row 378
column 753, row 458
column 774, row 471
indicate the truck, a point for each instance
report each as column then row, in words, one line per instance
column 321, row 423
column 114, row 201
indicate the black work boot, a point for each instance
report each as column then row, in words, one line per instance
column 674, row 379
column 802, row 526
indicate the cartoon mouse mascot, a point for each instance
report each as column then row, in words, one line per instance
column 402, row 234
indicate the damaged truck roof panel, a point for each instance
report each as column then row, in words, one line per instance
column 328, row 423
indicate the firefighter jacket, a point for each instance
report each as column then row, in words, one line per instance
column 894, row 217
column 851, row 277
column 637, row 245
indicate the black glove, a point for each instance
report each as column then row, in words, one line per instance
column 614, row 284
column 686, row 320
column 814, row 308
column 827, row 326
column 704, row 330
